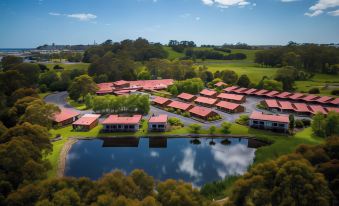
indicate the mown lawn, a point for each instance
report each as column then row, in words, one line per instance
column 69, row 66
column 282, row 144
column 173, row 54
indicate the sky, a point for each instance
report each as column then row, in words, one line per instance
column 30, row 23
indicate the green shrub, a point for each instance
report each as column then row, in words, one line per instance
column 243, row 119
column 306, row 122
column 173, row 121
column 195, row 128
column 335, row 92
column 314, row 91
column 299, row 123
column 186, row 114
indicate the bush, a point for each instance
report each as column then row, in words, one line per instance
column 299, row 123
column 306, row 122
column 195, row 128
column 261, row 106
column 173, row 121
column 225, row 127
column 243, row 119
column 314, row 91
column 170, row 110
column 43, row 88
column 335, row 92
column 186, row 114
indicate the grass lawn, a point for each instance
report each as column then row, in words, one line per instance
column 69, row 66
column 76, row 105
column 325, row 82
column 173, row 54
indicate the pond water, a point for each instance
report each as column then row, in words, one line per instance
column 192, row 160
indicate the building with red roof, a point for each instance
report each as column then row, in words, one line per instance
column 230, row 107
column 310, row 98
column 104, row 88
column 220, row 84
column 332, row 109
column 202, row 112
column 180, row 105
column 241, row 90
column 186, row 97
column 158, row 123
column 230, row 89
column 271, row 104
column 86, row 122
column 274, row 122
column 205, row 101
column 208, row 93
column 334, row 102
column 235, row 98
column 116, row 123
column 121, row 84
column 324, row 99
column 261, row 92
column 286, row 106
column 161, row 101
column 271, row 94
column 250, row 91
column 296, row 96
column 317, row 108
column 302, row 109
column 283, row 95
column 65, row 117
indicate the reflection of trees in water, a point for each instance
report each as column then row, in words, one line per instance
column 212, row 143
column 195, row 141
column 225, row 142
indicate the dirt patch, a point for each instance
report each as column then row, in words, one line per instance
column 63, row 156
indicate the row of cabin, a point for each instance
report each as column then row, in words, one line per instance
column 298, row 108
column 308, row 98
column 114, row 123
column 195, row 111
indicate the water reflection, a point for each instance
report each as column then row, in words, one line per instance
column 194, row 160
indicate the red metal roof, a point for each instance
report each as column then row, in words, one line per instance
column 206, row 100
column 219, row 84
column 116, row 119
column 240, row 90
column 105, row 88
column 335, row 101
column 229, row 89
column 185, row 96
column 332, row 109
column 87, row 119
column 261, row 92
column 296, row 96
column 271, row 93
column 250, row 91
column 179, row 105
column 286, row 105
column 65, row 114
column 270, row 117
column 208, row 92
column 160, row 100
column 272, row 103
column 152, row 84
column 283, row 95
column 231, row 96
column 228, row 105
column 317, row 108
column 324, row 99
column 310, row 98
column 120, row 82
column 301, row 107
column 201, row 111
column 158, row 119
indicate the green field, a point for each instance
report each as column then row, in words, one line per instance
column 69, row 66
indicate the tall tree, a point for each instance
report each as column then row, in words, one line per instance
column 81, row 86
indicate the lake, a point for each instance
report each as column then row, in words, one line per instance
column 193, row 160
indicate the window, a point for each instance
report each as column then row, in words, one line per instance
column 131, row 126
column 281, row 125
column 154, row 126
column 255, row 122
column 161, row 126
column 275, row 124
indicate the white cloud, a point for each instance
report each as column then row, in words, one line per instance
column 334, row 13
column 187, row 164
column 321, row 6
column 54, row 14
column 226, row 3
column 82, row 16
column 287, row 1
column 154, row 154
column 197, row 18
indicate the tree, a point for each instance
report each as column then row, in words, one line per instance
column 144, row 75
column 292, row 122
column 243, row 81
column 10, row 61
column 332, row 124
column 11, row 80
column 195, row 128
column 89, row 101
column 30, row 72
column 48, row 78
column 229, row 76
column 212, row 129
column 289, row 180
column 173, row 90
column 81, row 86
column 318, row 124
column 271, row 84
column 21, row 93
column 225, row 127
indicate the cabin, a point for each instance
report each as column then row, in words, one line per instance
column 86, row 122
column 158, row 123
column 220, row 85
column 161, row 101
column 235, row 98
column 283, row 95
column 116, row 123
column 230, row 89
column 279, row 123
column 310, row 98
column 65, row 117
column 121, row 84
column 180, row 106
column 250, row 91
column 261, row 92
column 186, row 97
column 302, row 109
column 286, row 106
column 208, row 93
column 296, row 96
column 205, row 101
column 240, row 90
column 202, row 112
column 317, row 109
column 272, row 105
column 105, row 88
column 230, row 107
column 271, row 94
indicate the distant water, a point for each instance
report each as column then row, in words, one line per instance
column 177, row 158
column 11, row 50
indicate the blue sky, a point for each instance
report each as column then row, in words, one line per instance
column 29, row 23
